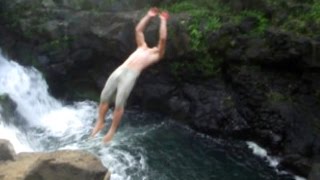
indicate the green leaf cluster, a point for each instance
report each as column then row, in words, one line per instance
column 299, row 17
column 204, row 19
column 262, row 21
column 275, row 96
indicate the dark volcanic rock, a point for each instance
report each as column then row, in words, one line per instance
column 10, row 115
column 8, row 106
column 6, row 151
column 77, row 45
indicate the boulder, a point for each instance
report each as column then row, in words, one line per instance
column 64, row 164
column 9, row 113
column 6, row 151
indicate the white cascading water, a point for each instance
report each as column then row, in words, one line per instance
column 27, row 88
column 55, row 125
column 12, row 134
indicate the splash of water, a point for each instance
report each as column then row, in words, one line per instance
column 14, row 135
column 273, row 161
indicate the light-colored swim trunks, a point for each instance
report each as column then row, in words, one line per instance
column 119, row 86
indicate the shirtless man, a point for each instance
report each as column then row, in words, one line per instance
column 122, row 80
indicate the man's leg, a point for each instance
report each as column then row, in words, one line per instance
column 117, row 115
column 106, row 98
column 125, row 86
column 103, row 108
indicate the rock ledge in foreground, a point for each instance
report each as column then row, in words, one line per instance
column 65, row 164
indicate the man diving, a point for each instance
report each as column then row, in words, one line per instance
column 121, row 82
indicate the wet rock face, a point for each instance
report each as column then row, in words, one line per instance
column 8, row 106
column 49, row 166
column 75, row 44
column 8, row 110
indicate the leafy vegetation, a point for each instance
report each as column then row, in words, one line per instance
column 262, row 21
column 202, row 21
column 228, row 102
column 275, row 96
column 58, row 44
column 208, row 16
column 299, row 17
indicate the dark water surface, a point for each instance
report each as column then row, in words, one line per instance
column 161, row 149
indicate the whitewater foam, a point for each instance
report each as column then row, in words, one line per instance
column 259, row 151
column 28, row 89
column 273, row 161
column 15, row 137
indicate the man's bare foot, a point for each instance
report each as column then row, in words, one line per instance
column 97, row 128
column 108, row 137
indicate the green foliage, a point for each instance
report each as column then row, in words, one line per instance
column 198, row 29
column 228, row 102
column 24, row 14
column 184, row 6
column 204, row 19
column 57, row 44
column 262, row 24
column 92, row 5
column 275, row 96
column 207, row 16
column 314, row 14
column 208, row 66
column 299, row 17
column 202, row 66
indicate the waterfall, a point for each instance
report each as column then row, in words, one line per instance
column 51, row 125
column 28, row 89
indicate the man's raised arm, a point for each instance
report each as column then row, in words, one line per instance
column 164, row 16
column 142, row 24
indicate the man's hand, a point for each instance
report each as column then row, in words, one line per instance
column 153, row 11
column 165, row 15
